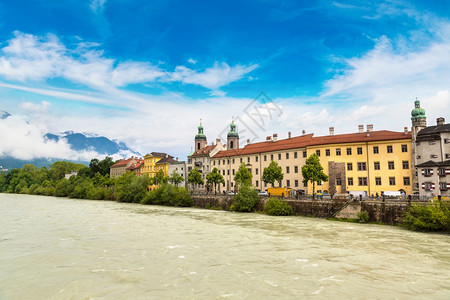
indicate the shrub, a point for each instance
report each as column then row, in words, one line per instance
column 363, row 216
column 168, row 195
column 245, row 200
column 433, row 217
column 277, row 207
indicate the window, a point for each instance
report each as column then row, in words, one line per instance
column 391, row 165
column 233, row 161
column 295, row 154
column 265, row 157
column 288, row 183
column 214, row 163
column 429, row 186
column 338, row 151
column 256, row 171
column 304, row 153
column 405, row 165
column 431, row 142
column 350, row 180
column 362, row 181
column 279, row 156
column 406, row 181
column 433, row 156
column 265, row 184
column 256, row 183
column 223, row 172
column 441, row 172
column 318, row 152
column 376, row 165
column 391, row 180
column 338, row 181
column 404, row 148
column 256, row 158
column 287, row 170
column 359, row 150
column 349, row 166
column 271, row 157
column 376, row 150
column 427, row 172
column 228, row 172
column 327, row 152
column 443, row 186
column 389, row 149
column 296, row 183
column 224, row 162
column 233, row 171
column 295, row 169
column 241, row 160
column 248, row 159
column 447, row 155
column 377, row 180
column 446, row 141
column 228, row 161
column 361, row 166
column 287, row 155
column 349, row 151
column 218, row 162
column 418, row 157
column 305, row 184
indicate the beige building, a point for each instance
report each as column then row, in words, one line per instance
column 121, row 166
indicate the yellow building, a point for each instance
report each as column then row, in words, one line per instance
column 154, row 162
column 163, row 164
column 369, row 162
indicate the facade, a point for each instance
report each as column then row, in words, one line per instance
column 180, row 168
column 121, row 166
column 433, row 159
column 136, row 167
column 163, row 164
column 151, row 166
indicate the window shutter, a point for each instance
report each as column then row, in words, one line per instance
column 423, row 171
column 423, row 186
column 432, row 186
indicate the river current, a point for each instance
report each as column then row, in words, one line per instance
column 57, row 248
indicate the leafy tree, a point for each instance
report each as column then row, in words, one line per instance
column 243, row 176
column 272, row 173
column 131, row 188
column 312, row 171
column 215, row 178
column 160, row 177
column 277, row 207
column 100, row 166
column 59, row 168
column 175, row 178
column 245, row 200
column 195, row 177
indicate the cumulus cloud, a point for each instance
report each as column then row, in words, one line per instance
column 33, row 58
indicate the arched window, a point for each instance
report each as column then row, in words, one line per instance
column 231, row 145
column 198, row 146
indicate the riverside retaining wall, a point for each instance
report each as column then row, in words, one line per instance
column 388, row 213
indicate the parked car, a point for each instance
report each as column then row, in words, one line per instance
column 279, row 191
column 262, row 193
column 231, row 193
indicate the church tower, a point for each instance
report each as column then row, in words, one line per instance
column 232, row 137
column 200, row 138
column 419, row 122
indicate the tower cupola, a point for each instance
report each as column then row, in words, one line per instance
column 200, row 138
column 232, row 137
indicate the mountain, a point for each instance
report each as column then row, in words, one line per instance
column 4, row 115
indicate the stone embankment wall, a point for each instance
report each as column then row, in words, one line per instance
column 387, row 212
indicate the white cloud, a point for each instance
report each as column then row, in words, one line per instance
column 192, row 61
column 97, row 6
column 36, row 108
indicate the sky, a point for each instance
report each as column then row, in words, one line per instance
column 146, row 72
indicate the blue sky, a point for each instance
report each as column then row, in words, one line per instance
column 145, row 72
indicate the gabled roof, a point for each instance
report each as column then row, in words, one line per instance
column 160, row 154
column 164, row 160
column 373, row 136
column 121, row 163
column 432, row 164
column 434, row 129
column 136, row 165
column 204, row 151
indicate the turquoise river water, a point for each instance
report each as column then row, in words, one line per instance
column 57, row 248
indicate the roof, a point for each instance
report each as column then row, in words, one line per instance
column 168, row 159
column 431, row 163
column 204, row 150
column 308, row 140
column 121, row 163
column 434, row 129
column 160, row 154
column 137, row 165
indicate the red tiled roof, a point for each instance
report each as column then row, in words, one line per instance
column 309, row 140
column 204, row 151
column 137, row 165
column 121, row 163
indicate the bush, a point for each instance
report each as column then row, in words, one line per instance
column 168, row 195
column 277, row 207
column 363, row 216
column 433, row 217
column 245, row 200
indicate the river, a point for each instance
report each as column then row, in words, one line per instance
column 58, row 248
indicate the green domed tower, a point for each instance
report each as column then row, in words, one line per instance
column 417, row 112
column 200, row 138
column 419, row 122
column 232, row 137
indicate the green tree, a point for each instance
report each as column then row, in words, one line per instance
column 272, row 173
column 312, row 171
column 175, row 178
column 131, row 188
column 245, row 200
column 160, row 178
column 195, row 177
column 243, row 176
column 215, row 178
column 100, row 166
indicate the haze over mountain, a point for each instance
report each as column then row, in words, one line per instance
column 32, row 145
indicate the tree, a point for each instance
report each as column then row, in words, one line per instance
column 175, row 178
column 312, row 171
column 101, row 166
column 245, row 200
column 272, row 173
column 194, row 177
column 214, row 178
column 243, row 176
column 160, row 177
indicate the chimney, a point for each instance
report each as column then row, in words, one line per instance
column 268, row 139
column 368, row 133
column 405, row 129
column 361, row 128
column 370, row 127
column 275, row 137
column 248, row 141
column 289, row 135
column 331, row 129
column 440, row 121
column 303, row 132
column 217, row 141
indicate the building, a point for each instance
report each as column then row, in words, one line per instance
column 201, row 157
column 432, row 155
column 121, row 166
column 180, row 168
column 154, row 162
column 163, row 164
column 136, row 167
